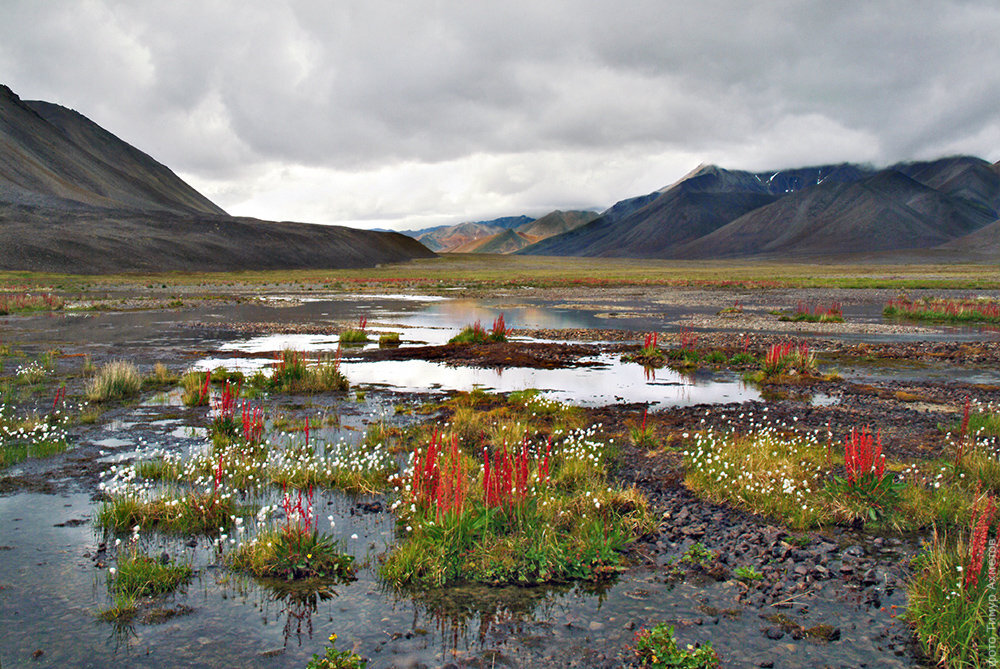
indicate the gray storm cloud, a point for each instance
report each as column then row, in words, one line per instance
column 405, row 113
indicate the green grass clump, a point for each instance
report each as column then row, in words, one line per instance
column 471, row 334
column 388, row 339
column 117, row 380
column 657, row 647
column 950, row 614
column 145, row 576
column 197, row 393
column 194, row 513
column 747, row 573
column 294, row 374
column 290, row 553
column 136, row 576
column 354, row 337
column 160, row 377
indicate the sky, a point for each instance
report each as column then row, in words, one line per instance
column 411, row 113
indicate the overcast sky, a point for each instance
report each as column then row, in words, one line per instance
column 412, row 113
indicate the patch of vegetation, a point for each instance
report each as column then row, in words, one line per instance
column 747, row 573
column 295, row 549
column 21, row 439
column 797, row 479
column 19, row 303
column 336, row 659
column 351, row 336
column 294, row 374
column 539, row 512
column 159, row 378
column 983, row 310
column 116, row 380
column 657, row 647
column 952, row 596
column 643, row 435
column 697, row 555
column 191, row 513
column 388, row 340
column 833, row 313
column 197, row 388
column 476, row 334
column 136, row 576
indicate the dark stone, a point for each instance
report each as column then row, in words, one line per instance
column 774, row 633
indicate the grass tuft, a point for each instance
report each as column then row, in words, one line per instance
column 117, row 380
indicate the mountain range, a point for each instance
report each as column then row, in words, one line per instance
column 942, row 210
column 500, row 235
column 76, row 198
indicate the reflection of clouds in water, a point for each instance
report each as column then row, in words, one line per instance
column 593, row 386
column 613, row 382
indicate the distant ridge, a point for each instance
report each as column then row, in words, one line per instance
column 75, row 198
column 828, row 209
column 500, row 235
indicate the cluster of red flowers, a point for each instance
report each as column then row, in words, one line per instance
column 957, row 309
column 253, row 423
column 982, row 520
column 23, row 301
column 688, row 339
column 362, row 323
column 863, row 455
column 439, row 481
column 784, row 354
column 226, row 406
column 835, row 309
column 650, row 341
column 500, row 329
column 299, row 517
column 505, row 480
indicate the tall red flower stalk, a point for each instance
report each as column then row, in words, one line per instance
column 226, row 406
column 863, row 455
column 362, row 323
column 688, row 339
column 981, row 521
column 500, row 329
column 60, row 396
column 650, row 341
column 253, row 423
column 438, row 476
column 203, row 395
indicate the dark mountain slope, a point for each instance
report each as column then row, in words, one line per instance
column 885, row 212
column 75, row 198
column 967, row 177
column 702, row 201
column 981, row 245
column 100, row 240
column 55, row 157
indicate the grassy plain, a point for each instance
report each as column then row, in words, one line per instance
column 465, row 269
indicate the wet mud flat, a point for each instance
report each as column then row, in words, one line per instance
column 828, row 597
